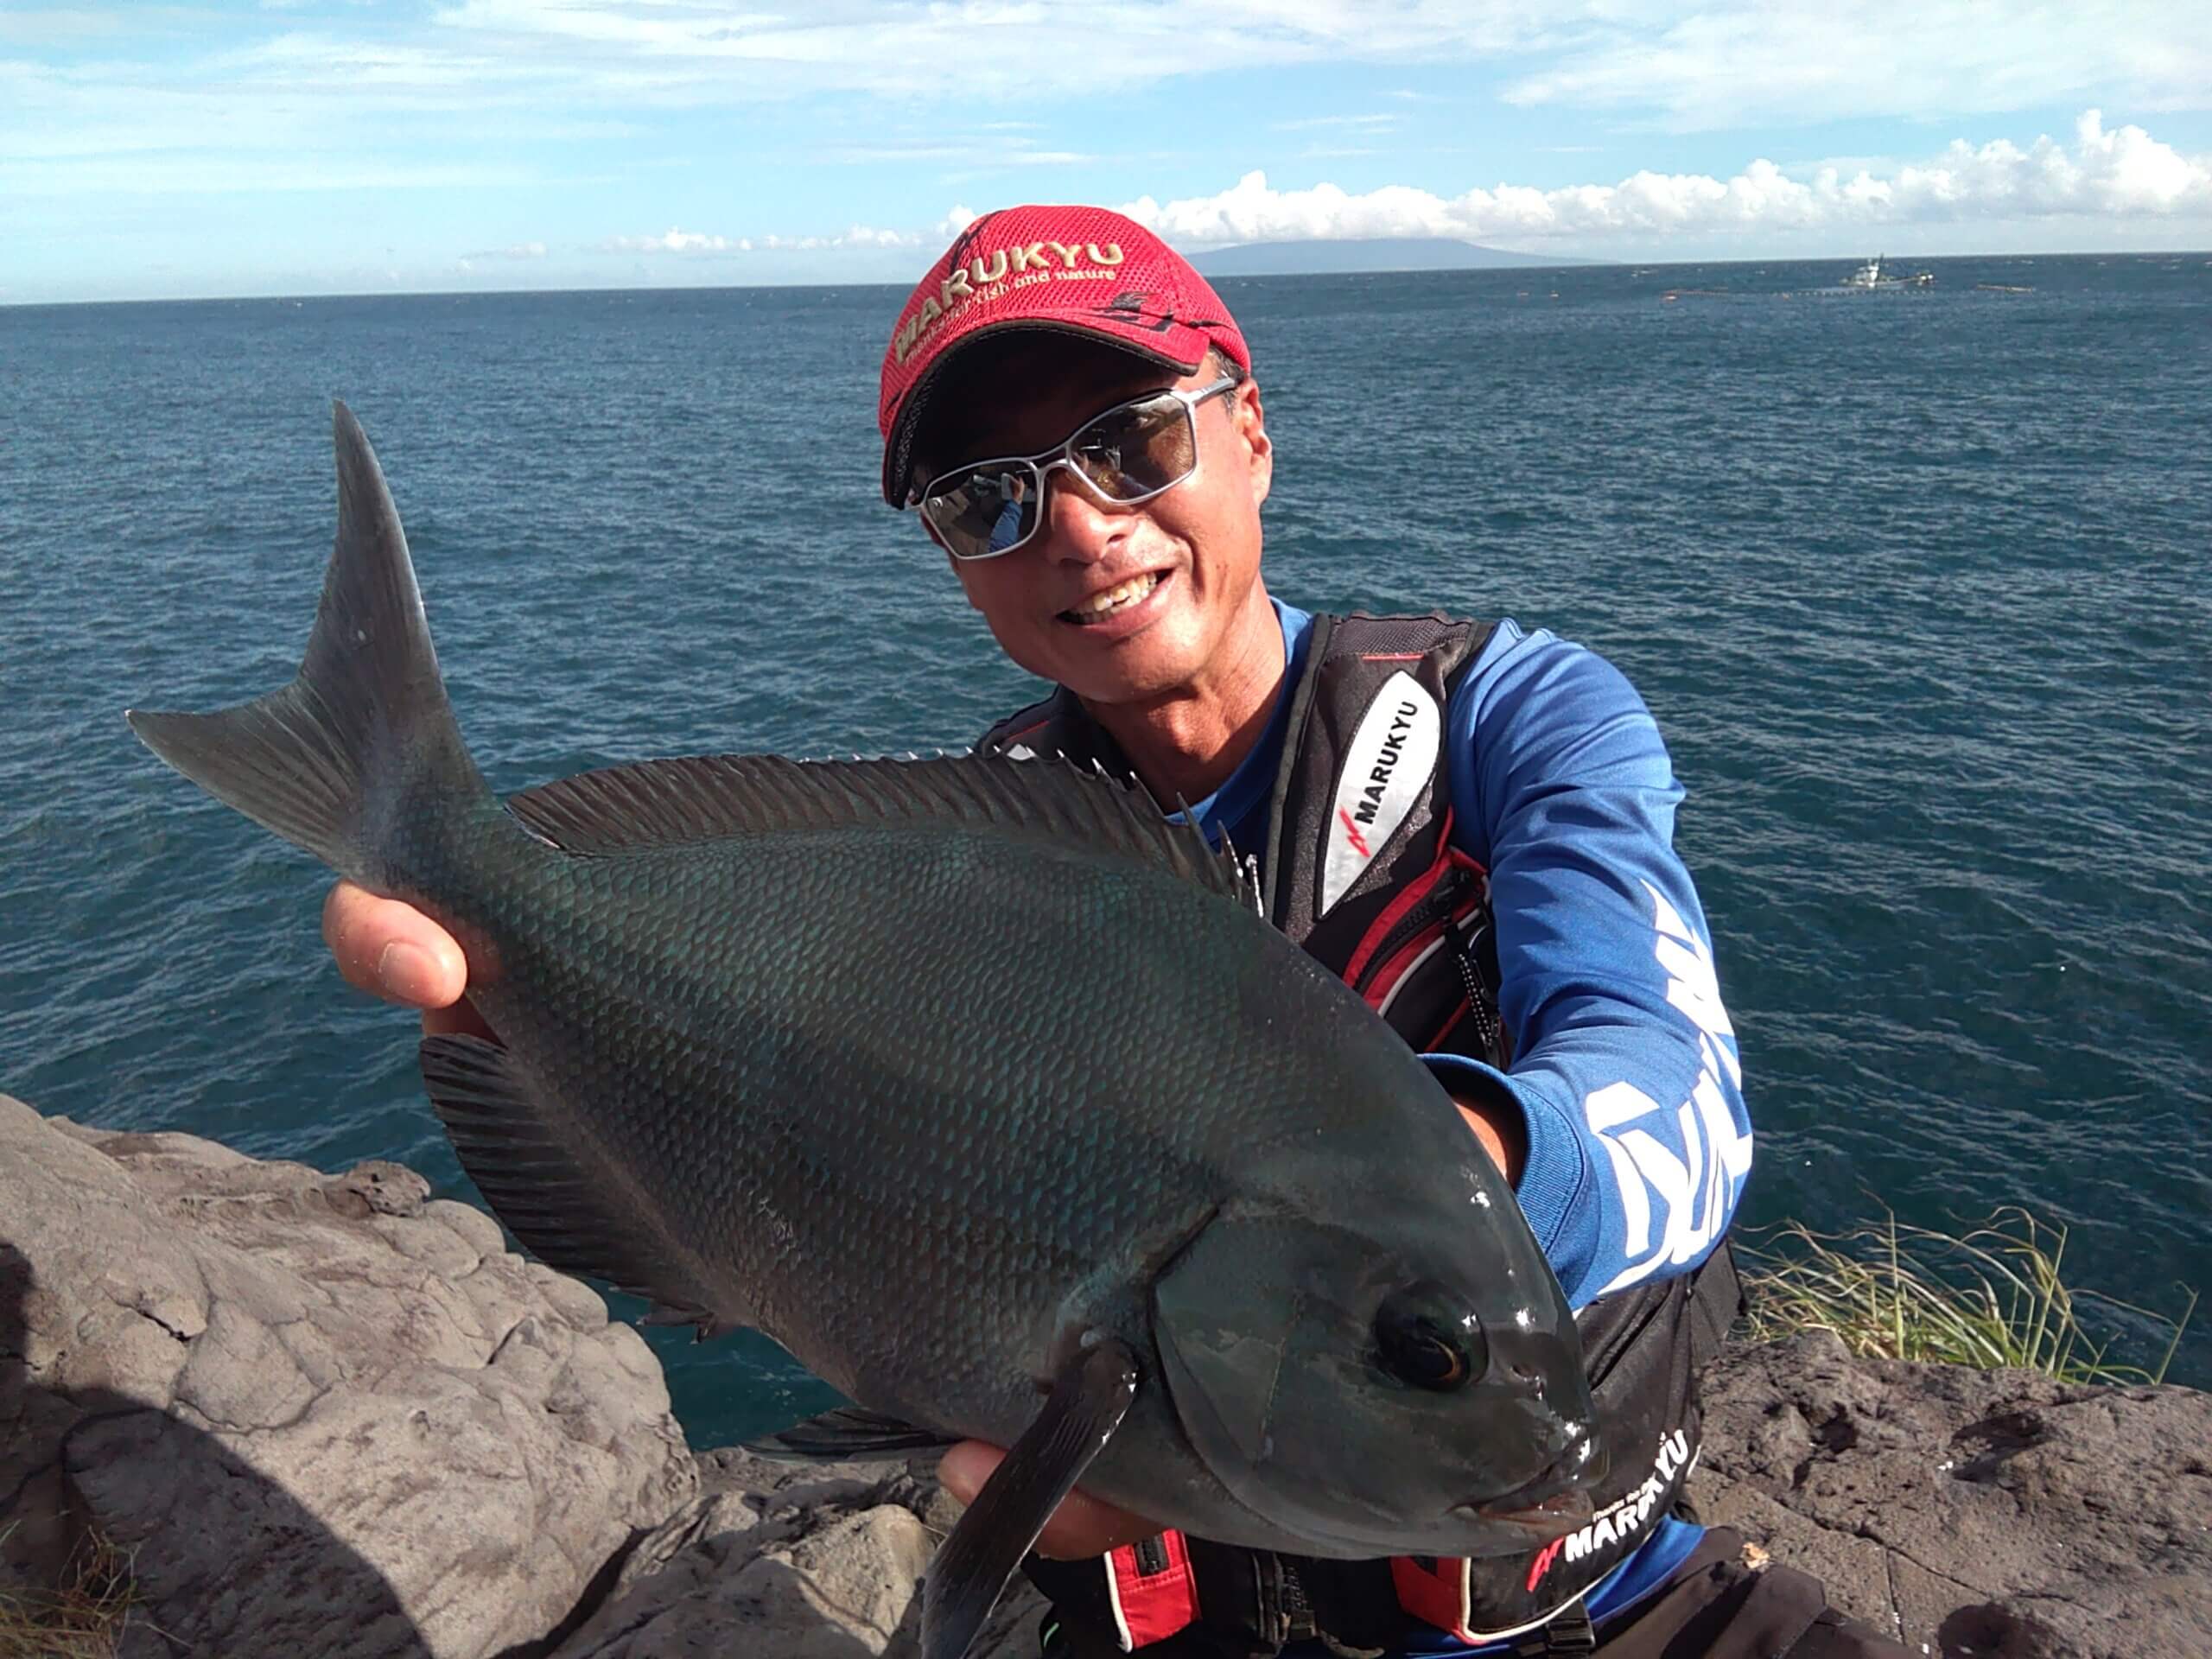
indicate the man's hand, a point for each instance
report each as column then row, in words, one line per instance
column 1503, row 1134
column 1082, row 1527
column 395, row 952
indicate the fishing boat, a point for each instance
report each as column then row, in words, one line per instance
column 1869, row 278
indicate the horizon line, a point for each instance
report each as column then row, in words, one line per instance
column 1569, row 262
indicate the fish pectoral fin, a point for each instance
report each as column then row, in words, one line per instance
column 846, row 1434
column 1089, row 1395
column 568, row 1214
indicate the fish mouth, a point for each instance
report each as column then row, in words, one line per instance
column 1553, row 1514
column 1556, row 1500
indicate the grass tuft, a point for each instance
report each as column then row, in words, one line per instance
column 82, row 1619
column 1992, row 1296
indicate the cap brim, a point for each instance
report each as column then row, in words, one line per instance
column 1175, row 346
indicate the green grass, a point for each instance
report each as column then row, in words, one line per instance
column 1992, row 1296
column 80, row 1619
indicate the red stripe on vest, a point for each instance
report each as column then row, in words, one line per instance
column 1414, row 892
column 1387, row 977
column 1435, row 1044
column 1435, row 1593
column 1154, row 1606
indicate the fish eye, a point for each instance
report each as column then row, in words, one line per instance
column 1426, row 1336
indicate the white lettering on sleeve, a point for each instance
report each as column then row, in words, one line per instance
column 1688, row 1195
column 1614, row 1104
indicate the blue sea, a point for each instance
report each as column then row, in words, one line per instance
column 1918, row 585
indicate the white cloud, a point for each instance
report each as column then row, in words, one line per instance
column 52, row 26
column 512, row 250
column 693, row 243
column 721, row 52
column 2116, row 174
column 973, row 155
column 1719, row 63
column 1730, row 63
column 673, row 240
column 1362, row 123
column 299, row 90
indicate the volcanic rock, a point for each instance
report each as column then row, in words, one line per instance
column 328, row 1414
column 1977, row 1515
column 321, row 1414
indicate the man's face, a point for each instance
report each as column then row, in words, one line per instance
column 1121, row 605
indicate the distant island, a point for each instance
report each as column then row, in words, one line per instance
column 1315, row 258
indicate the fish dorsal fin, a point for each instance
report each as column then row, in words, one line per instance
column 705, row 797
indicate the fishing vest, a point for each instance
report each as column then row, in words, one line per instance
column 1358, row 869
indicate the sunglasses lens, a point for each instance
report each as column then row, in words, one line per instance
column 1138, row 449
column 978, row 513
column 1128, row 453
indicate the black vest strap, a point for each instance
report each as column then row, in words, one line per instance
column 1568, row 1632
column 1358, row 867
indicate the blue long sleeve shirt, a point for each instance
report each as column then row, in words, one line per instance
column 1625, row 1069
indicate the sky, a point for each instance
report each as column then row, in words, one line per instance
column 291, row 147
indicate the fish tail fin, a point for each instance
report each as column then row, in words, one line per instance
column 364, row 737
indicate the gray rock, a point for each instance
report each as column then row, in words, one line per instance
column 1970, row 1513
column 808, row 1563
column 328, row 1415
column 324, row 1413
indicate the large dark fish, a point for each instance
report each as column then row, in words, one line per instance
column 971, row 1082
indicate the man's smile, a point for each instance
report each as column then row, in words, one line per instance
column 1123, row 595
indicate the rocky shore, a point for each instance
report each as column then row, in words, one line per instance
column 331, row 1414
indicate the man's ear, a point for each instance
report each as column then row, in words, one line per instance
column 1250, row 420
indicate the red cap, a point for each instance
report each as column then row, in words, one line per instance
column 1082, row 270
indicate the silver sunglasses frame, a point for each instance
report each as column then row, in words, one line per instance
column 1061, row 454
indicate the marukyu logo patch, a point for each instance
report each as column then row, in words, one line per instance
column 1620, row 1520
column 996, row 272
column 1387, row 769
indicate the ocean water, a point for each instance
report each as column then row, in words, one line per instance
column 1918, row 585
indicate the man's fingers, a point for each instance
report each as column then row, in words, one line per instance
column 1081, row 1528
column 392, row 950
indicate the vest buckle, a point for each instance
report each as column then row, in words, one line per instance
column 1568, row 1632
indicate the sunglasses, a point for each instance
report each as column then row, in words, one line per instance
column 1129, row 455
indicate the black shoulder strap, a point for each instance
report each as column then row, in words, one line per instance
column 1361, row 796
column 1057, row 724
column 1301, row 709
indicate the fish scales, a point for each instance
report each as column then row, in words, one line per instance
column 766, row 1068
column 973, row 1082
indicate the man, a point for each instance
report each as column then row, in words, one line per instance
column 1471, row 823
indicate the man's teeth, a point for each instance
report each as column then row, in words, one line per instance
column 1115, row 599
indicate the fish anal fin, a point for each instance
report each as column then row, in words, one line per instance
column 566, row 1214
column 1089, row 1395
column 846, row 1434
